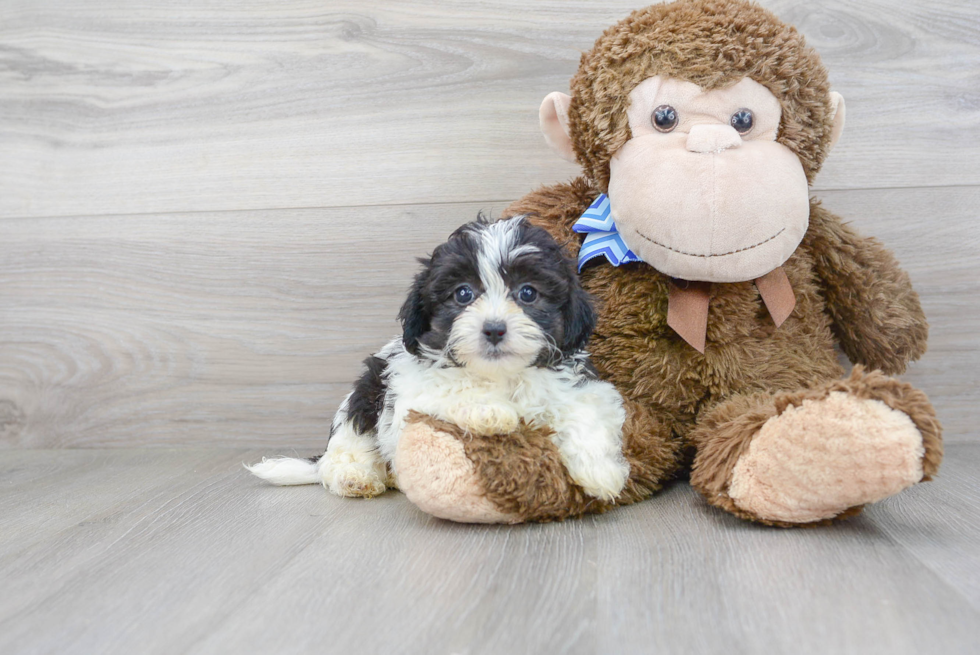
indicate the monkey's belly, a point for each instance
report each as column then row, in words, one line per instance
column 647, row 361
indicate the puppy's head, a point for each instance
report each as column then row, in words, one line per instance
column 497, row 297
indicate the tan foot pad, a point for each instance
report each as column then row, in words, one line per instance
column 435, row 474
column 814, row 461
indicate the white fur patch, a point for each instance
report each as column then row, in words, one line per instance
column 285, row 471
column 497, row 248
column 522, row 343
column 352, row 465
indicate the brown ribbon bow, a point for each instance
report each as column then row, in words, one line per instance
column 687, row 304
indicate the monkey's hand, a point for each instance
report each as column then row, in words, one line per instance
column 876, row 314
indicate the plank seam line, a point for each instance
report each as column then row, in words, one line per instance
column 420, row 204
column 260, row 209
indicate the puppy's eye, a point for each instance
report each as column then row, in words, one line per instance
column 463, row 295
column 742, row 121
column 527, row 294
column 664, row 118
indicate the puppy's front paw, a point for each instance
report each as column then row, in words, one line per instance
column 353, row 474
column 600, row 476
column 484, row 418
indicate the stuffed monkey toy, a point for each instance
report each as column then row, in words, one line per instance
column 722, row 290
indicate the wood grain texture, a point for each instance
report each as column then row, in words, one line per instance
column 118, row 108
column 247, row 328
column 231, row 328
column 128, row 550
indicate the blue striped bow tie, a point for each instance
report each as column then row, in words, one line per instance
column 601, row 236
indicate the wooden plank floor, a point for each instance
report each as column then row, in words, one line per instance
column 181, row 551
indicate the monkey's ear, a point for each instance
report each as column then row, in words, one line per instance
column 553, row 116
column 413, row 315
column 837, row 103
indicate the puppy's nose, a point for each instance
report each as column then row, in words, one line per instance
column 494, row 331
column 712, row 138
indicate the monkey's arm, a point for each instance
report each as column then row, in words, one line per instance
column 876, row 314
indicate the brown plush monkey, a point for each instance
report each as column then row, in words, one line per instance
column 704, row 122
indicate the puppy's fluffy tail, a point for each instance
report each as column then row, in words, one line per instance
column 286, row 470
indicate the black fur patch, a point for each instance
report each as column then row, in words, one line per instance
column 414, row 315
column 428, row 314
column 367, row 400
column 586, row 371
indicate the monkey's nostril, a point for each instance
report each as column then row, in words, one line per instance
column 494, row 331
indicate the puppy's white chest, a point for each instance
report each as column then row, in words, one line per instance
column 475, row 403
column 435, row 389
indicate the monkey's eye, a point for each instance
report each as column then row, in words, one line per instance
column 527, row 294
column 664, row 118
column 742, row 121
column 463, row 294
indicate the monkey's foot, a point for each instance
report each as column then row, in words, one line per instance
column 825, row 453
column 503, row 478
column 435, row 474
column 814, row 461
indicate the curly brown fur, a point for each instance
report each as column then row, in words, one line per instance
column 681, row 40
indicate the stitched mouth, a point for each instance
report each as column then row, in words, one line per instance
column 706, row 256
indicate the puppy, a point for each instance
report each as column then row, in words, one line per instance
column 494, row 327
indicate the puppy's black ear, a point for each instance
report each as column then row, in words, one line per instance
column 580, row 317
column 413, row 314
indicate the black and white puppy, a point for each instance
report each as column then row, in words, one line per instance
column 494, row 332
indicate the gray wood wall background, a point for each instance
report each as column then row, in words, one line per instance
column 209, row 211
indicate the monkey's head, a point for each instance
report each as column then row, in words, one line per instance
column 704, row 121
